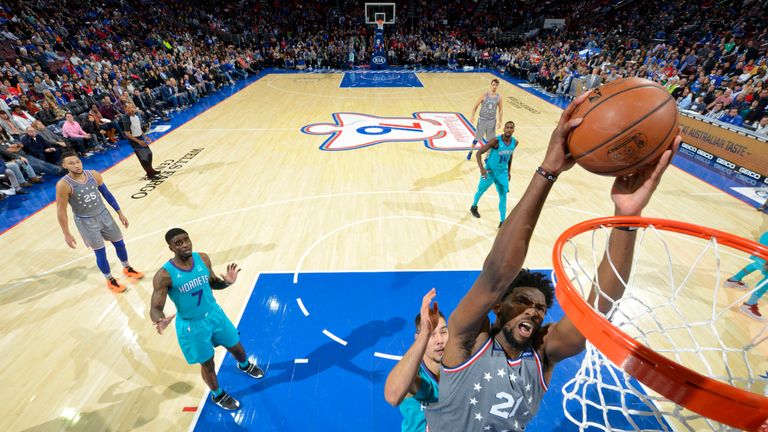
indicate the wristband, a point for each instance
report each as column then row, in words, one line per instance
column 547, row 175
column 630, row 229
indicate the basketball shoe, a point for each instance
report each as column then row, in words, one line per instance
column 131, row 273
column 474, row 211
column 731, row 283
column 751, row 311
column 252, row 370
column 115, row 286
column 225, row 401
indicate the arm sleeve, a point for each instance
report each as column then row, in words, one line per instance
column 109, row 197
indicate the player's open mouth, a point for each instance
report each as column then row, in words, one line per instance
column 525, row 328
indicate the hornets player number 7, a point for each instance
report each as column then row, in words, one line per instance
column 201, row 325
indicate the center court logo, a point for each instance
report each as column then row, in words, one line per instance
column 438, row 130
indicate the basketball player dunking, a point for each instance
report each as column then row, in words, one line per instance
column 80, row 189
column 487, row 123
column 494, row 376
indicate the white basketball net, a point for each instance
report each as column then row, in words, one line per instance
column 674, row 303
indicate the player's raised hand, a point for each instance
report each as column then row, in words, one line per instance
column 70, row 239
column 231, row 275
column 557, row 158
column 632, row 193
column 162, row 324
column 430, row 316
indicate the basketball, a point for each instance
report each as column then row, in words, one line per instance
column 627, row 125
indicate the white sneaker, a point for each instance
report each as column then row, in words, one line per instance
column 751, row 311
column 730, row 283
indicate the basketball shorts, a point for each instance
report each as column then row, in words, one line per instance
column 498, row 178
column 486, row 129
column 198, row 337
column 94, row 230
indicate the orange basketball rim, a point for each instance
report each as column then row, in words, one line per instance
column 710, row 398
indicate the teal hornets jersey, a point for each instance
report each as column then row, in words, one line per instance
column 412, row 408
column 499, row 157
column 190, row 290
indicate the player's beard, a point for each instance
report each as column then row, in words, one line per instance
column 509, row 335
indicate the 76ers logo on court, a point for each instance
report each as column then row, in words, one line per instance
column 438, row 130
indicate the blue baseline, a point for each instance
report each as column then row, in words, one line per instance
column 341, row 387
column 380, row 79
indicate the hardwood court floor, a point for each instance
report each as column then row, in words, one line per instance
column 260, row 193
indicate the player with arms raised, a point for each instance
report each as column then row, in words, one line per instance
column 493, row 376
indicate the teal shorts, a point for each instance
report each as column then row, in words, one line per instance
column 198, row 337
column 498, row 178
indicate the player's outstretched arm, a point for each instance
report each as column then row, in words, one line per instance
column 404, row 377
column 630, row 196
column 510, row 248
column 220, row 281
column 160, row 284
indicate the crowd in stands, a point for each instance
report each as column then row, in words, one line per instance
column 70, row 70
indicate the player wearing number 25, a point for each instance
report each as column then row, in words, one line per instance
column 83, row 190
column 188, row 279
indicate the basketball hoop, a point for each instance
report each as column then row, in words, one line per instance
column 380, row 23
column 652, row 325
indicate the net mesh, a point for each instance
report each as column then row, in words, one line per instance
column 675, row 304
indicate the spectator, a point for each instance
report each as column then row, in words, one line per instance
column 716, row 112
column 685, row 100
column 107, row 109
column 9, row 126
column 761, row 128
column 698, row 105
column 14, row 181
column 752, row 113
column 37, row 147
column 91, row 127
column 733, row 117
column 148, row 105
column 112, row 128
column 47, row 115
column 22, row 118
column 76, row 135
column 49, row 136
column 593, row 80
